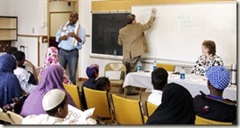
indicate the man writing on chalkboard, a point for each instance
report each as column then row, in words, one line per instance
column 134, row 42
column 71, row 36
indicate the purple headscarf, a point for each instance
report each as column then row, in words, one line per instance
column 51, row 78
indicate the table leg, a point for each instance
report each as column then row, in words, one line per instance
column 125, row 92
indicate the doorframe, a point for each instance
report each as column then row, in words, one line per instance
column 75, row 8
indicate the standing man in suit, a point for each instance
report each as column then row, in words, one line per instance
column 134, row 42
column 71, row 36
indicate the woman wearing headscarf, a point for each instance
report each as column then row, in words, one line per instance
column 51, row 58
column 9, row 84
column 52, row 78
column 92, row 72
column 176, row 107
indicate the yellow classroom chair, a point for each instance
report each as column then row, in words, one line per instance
column 168, row 67
column 204, row 121
column 150, row 108
column 127, row 111
column 116, row 67
column 98, row 100
column 73, row 91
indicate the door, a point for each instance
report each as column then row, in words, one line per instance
column 59, row 12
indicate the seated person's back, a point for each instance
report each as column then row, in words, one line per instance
column 52, row 78
column 213, row 106
column 92, row 73
column 9, row 84
column 103, row 84
column 28, row 81
column 159, row 80
column 176, row 107
column 55, row 103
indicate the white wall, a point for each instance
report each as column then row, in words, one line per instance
column 4, row 6
column 30, row 48
column 33, row 14
column 32, row 21
column 85, row 59
column 180, row 26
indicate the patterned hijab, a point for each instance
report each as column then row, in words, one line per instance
column 51, row 78
column 9, row 84
column 92, row 71
column 176, row 107
column 51, row 58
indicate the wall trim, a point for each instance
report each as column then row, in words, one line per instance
column 26, row 35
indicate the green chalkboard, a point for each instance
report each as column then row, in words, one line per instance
column 105, row 29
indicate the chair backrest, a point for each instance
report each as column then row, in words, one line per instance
column 16, row 118
column 98, row 100
column 167, row 67
column 5, row 116
column 150, row 108
column 127, row 111
column 73, row 91
column 203, row 121
column 113, row 66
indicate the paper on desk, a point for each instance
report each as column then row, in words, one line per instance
column 77, row 116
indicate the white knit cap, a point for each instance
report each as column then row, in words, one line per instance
column 52, row 99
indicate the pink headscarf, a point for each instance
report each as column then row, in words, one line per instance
column 51, row 58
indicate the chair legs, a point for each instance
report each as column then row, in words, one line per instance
column 132, row 91
column 121, row 90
